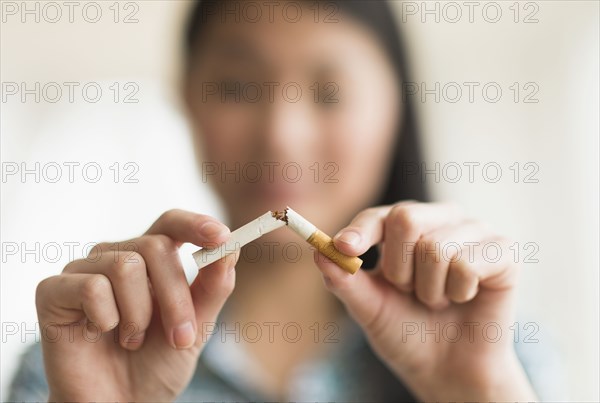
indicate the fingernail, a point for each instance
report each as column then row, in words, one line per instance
column 211, row 229
column 351, row 238
column 135, row 339
column 184, row 335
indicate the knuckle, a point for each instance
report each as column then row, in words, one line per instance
column 160, row 244
column 96, row 288
column 429, row 250
column 41, row 291
column 169, row 215
column 197, row 220
column 71, row 267
column 401, row 216
column 99, row 248
column 126, row 266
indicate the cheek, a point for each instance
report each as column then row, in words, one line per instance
column 363, row 140
column 224, row 138
column 226, row 131
column 363, row 166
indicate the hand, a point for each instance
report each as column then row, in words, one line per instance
column 123, row 324
column 432, row 306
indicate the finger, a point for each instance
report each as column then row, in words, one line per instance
column 486, row 265
column 404, row 225
column 210, row 289
column 184, row 226
column 462, row 284
column 360, row 293
column 364, row 231
column 127, row 274
column 170, row 288
column 434, row 253
column 69, row 298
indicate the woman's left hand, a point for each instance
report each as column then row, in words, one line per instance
column 443, row 289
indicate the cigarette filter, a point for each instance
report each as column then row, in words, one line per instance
column 321, row 241
column 240, row 237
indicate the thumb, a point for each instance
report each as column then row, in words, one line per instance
column 361, row 293
column 210, row 289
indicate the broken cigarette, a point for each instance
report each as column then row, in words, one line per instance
column 240, row 237
column 270, row 221
column 321, row 241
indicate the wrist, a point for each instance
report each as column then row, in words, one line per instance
column 501, row 379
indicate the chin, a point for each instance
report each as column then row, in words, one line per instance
column 322, row 210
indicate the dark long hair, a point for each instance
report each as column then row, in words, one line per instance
column 404, row 174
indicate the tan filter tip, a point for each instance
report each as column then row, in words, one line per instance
column 324, row 244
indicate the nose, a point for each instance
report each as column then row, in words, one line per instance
column 290, row 126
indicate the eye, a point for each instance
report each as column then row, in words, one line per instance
column 230, row 90
column 325, row 94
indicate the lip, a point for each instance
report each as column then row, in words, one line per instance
column 277, row 194
column 281, row 192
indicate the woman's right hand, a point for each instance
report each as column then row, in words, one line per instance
column 123, row 324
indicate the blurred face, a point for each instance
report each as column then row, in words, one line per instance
column 301, row 114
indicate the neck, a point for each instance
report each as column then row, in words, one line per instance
column 276, row 287
column 281, row 292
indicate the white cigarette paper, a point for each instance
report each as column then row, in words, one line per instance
column 270, row 221
column 240, row 237
column 299, row 224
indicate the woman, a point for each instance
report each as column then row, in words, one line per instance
column 322, row 94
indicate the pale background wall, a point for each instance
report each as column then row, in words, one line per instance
column 559, row 53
